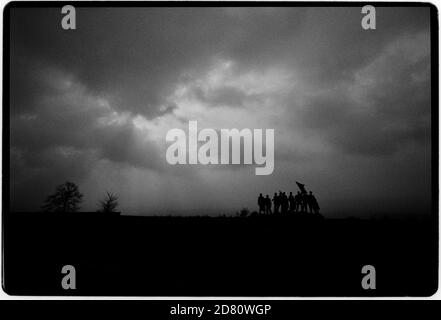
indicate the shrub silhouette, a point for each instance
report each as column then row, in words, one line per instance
column 66, row 198
column 244, row 212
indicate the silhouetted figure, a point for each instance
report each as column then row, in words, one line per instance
column 276, row 201
column 292, row 203
column 298, row 201
column 304, row 202
column 313, row 204
column 280, row 197
column 284, row 203
column 261, row 204
column 268, row 205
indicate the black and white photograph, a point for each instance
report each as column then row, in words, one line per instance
column 223, row 149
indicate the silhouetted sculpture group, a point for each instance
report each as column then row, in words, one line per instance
column 302, row 202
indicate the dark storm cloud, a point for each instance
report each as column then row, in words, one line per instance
column 75, row 95
column 383, row 107
column 365, row 134
column 229, row 96
column 333, row 44
column 134, row 57
column 72, row 119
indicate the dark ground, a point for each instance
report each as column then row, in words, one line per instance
column 203, row 256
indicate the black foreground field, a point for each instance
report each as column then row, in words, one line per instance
column 217, row 256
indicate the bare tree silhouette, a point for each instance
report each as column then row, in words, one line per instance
column 109, row 204
column 66, row 198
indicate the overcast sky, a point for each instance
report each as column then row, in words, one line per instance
column 350, row 107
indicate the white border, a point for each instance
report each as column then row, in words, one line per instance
column 4, row 296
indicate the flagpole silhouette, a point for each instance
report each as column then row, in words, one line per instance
column 301, row 187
